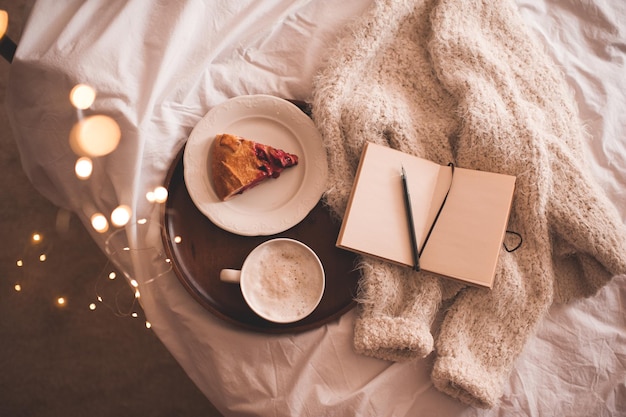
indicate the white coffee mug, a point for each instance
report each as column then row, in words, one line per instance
column 282, row 280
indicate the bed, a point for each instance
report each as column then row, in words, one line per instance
column 158, row 70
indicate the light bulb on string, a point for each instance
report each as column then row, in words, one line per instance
column 158, row 195
column 82, row 96
column 94, row 136
column 83, row 167
column 99, row 222
column 7, row 46
column 121, row 215
column 40, row 245
column 4, row 23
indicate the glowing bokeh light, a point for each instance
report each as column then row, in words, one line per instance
column 148, row 325
column 42, row 257
column 142, row 221
column 134, row 283
column 137, row 294
column 112, row 275
column 121, row 215
column 92, row 306
column 160, row 194
column 61, row 301
column 178, row 239
column 82, row 96
column 99, row 223
column 36, row 237
column 19, row 262
column 18, row 287
column 4, row 22
column 83, row 167
column 96, row 135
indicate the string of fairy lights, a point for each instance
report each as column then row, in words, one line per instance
column 95, row 136
column 92, row 136
column 116, row 298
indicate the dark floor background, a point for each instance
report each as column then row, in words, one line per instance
column 71, row 360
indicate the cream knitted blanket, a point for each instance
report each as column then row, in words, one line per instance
column 464, row 81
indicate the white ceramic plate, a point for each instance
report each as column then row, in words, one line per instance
column 276, row 204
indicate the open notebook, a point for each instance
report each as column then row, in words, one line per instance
column 466, row 239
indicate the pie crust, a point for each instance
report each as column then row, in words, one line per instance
column 238, row 164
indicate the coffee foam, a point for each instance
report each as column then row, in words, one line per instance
column 283, row 281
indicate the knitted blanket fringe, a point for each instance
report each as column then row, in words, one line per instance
column 465, row 81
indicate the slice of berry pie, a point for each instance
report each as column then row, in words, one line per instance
column 238, row 164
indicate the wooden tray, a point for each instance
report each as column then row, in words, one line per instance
column 205, row 249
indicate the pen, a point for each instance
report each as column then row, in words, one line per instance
column 409, row 214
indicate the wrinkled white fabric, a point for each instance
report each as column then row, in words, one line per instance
column 158, row 69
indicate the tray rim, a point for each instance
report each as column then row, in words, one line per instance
column 271, row 328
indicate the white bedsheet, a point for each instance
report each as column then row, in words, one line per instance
column 159, row 68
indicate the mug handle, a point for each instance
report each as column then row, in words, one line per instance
column 230, row 275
